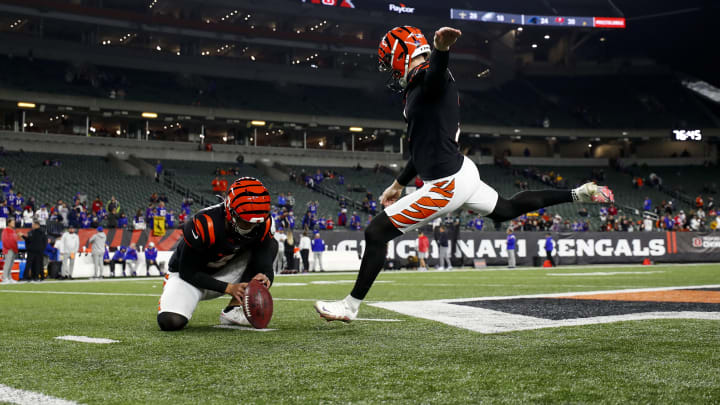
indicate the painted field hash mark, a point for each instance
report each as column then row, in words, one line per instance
column 506, row 314
column 87, row 339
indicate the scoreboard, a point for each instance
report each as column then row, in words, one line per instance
column 542, row 20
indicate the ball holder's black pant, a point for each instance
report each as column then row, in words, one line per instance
column 381, row 231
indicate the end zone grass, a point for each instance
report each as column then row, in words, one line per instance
column 307, row 360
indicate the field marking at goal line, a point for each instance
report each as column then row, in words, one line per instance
column 87, row 339
column 17, row 396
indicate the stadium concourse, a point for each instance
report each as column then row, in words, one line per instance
column 129, row 117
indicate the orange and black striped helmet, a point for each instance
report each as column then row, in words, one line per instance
column 247, row 200
column 397, row 48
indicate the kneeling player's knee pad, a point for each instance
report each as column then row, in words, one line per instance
column 170, row 321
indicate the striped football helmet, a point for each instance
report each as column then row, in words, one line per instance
column 397, row 48
column 247, row 201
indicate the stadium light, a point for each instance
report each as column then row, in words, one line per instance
column 25, row 104
column 356, row 129
column 547, row 37
column 534, row 45
column 257, row 123
column 149, row 115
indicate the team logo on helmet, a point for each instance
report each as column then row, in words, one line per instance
column 247, row 200
column 397, row 48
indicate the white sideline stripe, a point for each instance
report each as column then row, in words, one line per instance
column 605, row 273
column 86, row 339
column 79, row 293
column 238, row 327
column 22, row 397
column 378, row 320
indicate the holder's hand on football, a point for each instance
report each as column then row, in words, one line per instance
column 391, row 194
column 237, row 291
column 263, row 279
column 446, row 37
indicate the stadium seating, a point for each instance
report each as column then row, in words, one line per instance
column 80, row 174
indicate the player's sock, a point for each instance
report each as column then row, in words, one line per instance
column 230, row 308
column 528, row 201
column 353, row 303
column 378, row 233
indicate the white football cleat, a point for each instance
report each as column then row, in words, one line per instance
column 592, row 193
column 335, row 311
column 235, row 316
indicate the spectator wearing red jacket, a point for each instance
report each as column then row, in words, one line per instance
column 9, row 249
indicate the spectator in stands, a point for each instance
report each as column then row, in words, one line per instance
column 118, row 257
column 70, row 245
column 170, row 220
column 164, row 198
column 318, row 177
column 710, row 204
column 122, row 222
column 281, row 201
column 113, row 206
column 443, row 240
column 35, row 242
column 18, row 202
column 182, row 217
column 290, row 201
column 216, row 186
column 305, row 245
column 341, row 180
column 97, row 250
column 139, row 220
column 355, row 224
column 613, row 210
column 423, row 248
column 366, row 205
column 699, row 202
column 4, row 212
column 28, row 216
column 313, row 207
column 318, row 247
column 668, row 222
column 151, row 259
column 9, row 250
column 647, row 204
column 10, row 198
column 42, row 215
column 131, row 258
column 186, row 206
column 85, row 220
column 342, row 203
column 342, row 217
column 97, row 204
column 372, row 205
column 158, row 171
column 478, row 223
column 549, row 247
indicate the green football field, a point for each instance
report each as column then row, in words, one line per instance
column 389, row 357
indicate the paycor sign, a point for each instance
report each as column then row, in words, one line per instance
column 401, row 9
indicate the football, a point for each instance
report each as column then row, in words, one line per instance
column 258, row 304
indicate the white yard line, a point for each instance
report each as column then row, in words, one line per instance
column 22, row 397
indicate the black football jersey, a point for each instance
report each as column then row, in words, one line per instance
column 432, row 112
column 208, row 245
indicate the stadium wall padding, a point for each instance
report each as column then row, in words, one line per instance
column 345, row 248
